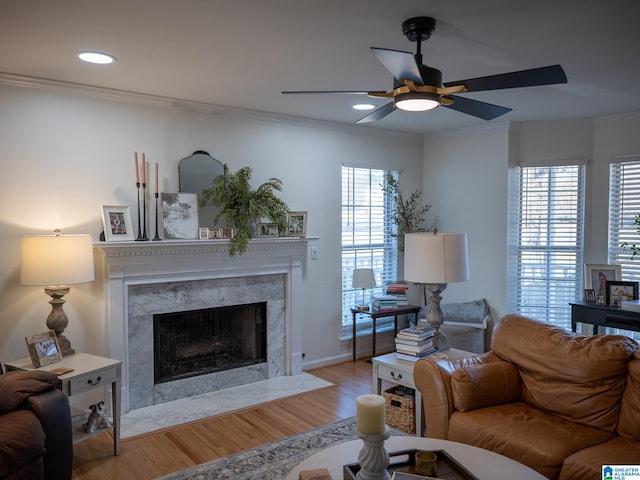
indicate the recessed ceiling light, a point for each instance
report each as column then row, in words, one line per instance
column 96, row 57
column 363, row 106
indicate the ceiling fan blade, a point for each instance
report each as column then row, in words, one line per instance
column 483, row 110
column 324, row 92
column 378, row 114
column 524, row 78
column 402, row 65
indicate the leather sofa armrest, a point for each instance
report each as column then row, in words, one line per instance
column 432, row 376
column 52, row 409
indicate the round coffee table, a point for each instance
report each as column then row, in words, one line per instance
column 484, row 464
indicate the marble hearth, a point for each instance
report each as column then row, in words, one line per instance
column 145, row 278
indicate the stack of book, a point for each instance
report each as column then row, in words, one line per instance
column 414, row 343
column 399, row 291
column 384, row 302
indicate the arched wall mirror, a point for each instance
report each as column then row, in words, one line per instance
column 195, row 173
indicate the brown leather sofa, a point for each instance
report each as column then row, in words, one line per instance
column 561, row 403
column 35, row 428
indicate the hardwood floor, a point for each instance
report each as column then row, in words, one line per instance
column 159, row 453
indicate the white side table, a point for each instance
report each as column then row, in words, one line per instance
column 388, row 367
column 89, row 372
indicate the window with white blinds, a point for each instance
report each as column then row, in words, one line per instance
column 367, row 240
column 546, row 269
column 624, row 205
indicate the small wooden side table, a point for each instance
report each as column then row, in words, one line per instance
column 388, row 367
column 89, row 372
column 375, row 314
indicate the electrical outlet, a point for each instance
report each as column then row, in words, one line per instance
column 314, row 253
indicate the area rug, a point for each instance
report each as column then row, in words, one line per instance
column 273, row 460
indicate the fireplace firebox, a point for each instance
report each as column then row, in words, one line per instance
column 198, row 342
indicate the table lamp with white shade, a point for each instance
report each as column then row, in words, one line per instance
column 55, row 261
column 436, row 259
column 363, row 278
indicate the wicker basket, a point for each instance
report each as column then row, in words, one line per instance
column 400, row 403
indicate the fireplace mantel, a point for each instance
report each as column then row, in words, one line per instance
column 149, row 262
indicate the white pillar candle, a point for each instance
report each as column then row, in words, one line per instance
column 370, row 418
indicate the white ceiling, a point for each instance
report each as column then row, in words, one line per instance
column 242, row 54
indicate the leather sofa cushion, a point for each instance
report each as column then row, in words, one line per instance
column 485, row 385
column 21, row 441
column 588, row 463
column 629, row 424
column 16, row 387
column 525, row 434
column 575, row 377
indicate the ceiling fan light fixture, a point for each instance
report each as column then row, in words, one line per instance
column 417, row 101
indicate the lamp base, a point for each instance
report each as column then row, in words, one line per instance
column 57, row 319
column 362, row 308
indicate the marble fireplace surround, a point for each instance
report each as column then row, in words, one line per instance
column 143, row 278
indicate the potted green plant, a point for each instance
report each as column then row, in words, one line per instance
column 635, row 249
column 241, row 206
column 408, row 214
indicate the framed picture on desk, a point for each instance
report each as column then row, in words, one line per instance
column 617, row 292
column 597, row 275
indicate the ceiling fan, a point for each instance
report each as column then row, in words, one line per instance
column 417, row 87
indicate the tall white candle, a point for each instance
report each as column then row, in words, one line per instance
column 156, row 177
column 370, row 416
column 144, row 170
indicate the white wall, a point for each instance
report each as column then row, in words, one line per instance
column 65, row 154
column 465, row 181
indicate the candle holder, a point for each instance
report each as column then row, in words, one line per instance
column 157, row 237
column 144, row 212
column 139, row 229
column 373, row 458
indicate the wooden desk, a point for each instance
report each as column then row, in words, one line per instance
column 405, row 310
column 603, row 316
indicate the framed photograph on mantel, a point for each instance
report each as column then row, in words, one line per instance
column 180, row 215
column 117, row 224
column 596, row 276
column 297, row 224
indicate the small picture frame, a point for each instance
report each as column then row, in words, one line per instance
column 117, row 224
column 267, row 230
column 203, row 233
column 227, row 232
column 589, row 295
column 297, row 224
column 43, row 349
column 617, row 292
column 597, row 275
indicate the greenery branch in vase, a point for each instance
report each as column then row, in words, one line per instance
column 635, row 249
column 240, row 205
column 408, row 215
